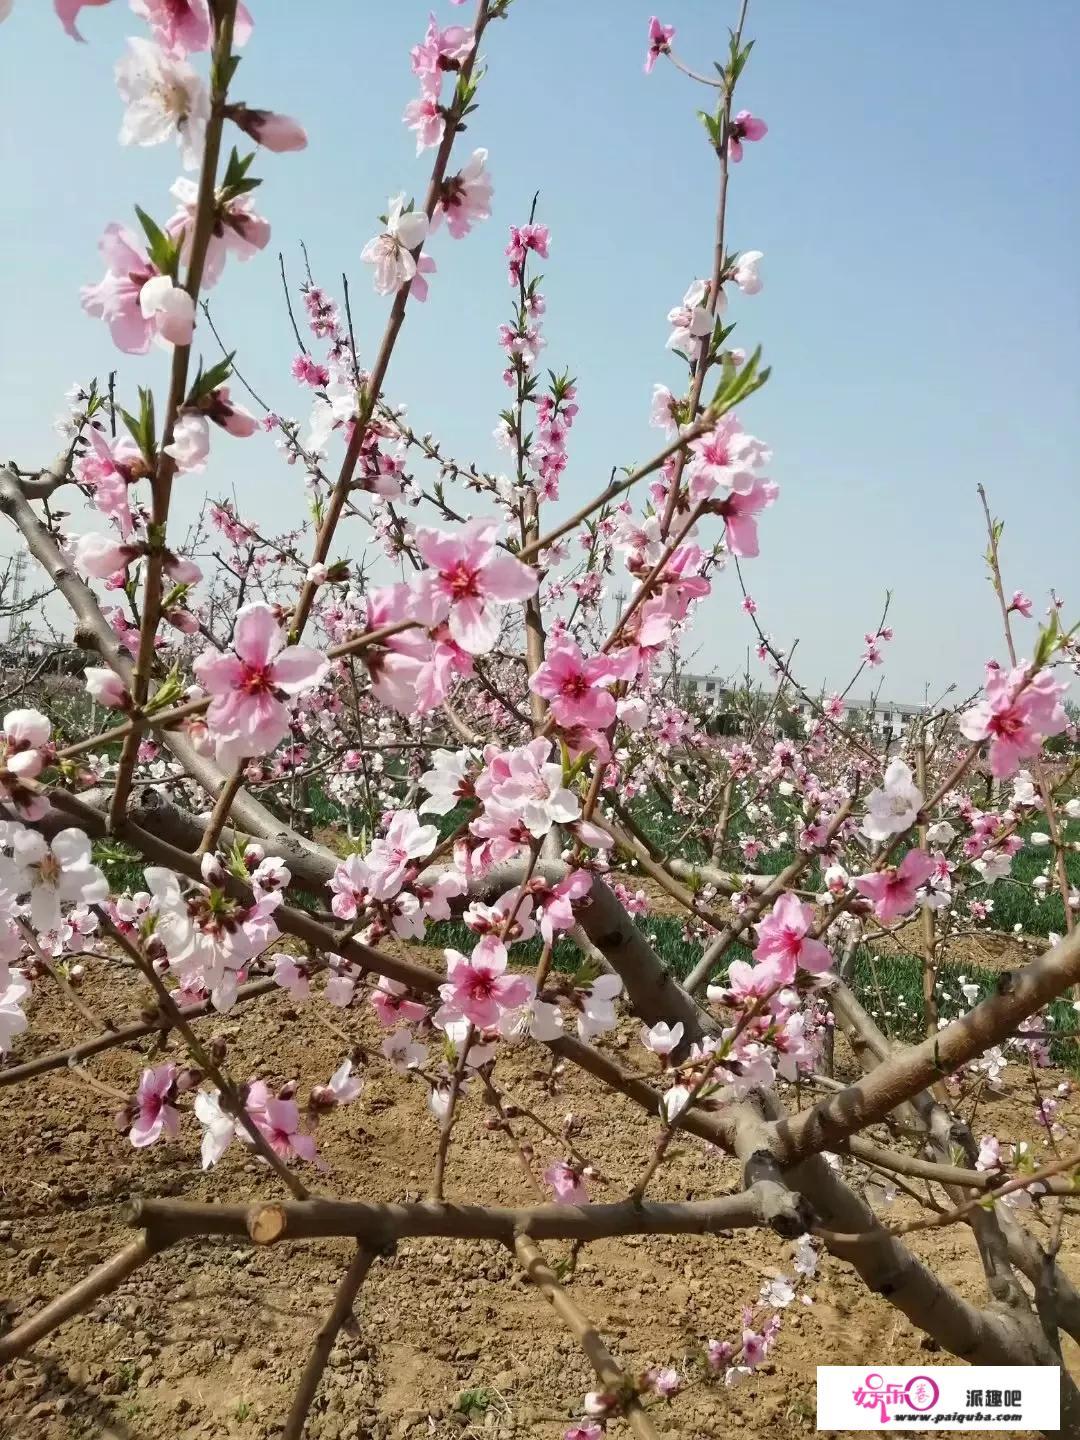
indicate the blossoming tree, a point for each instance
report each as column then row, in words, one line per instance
column 496, row 752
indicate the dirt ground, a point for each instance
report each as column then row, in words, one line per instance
column 209, row 1338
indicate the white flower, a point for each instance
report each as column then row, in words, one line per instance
column 778, row 1293
column 806, row 1257
column 633, row 712
column 536, row 1021
column 893, row 808
column 403, row 1052
column 344, row 1084
column 690, row 320
column 330, row 414
column 993, row 865
column 172, row 310
column 191, row 437
column 745, row 273
column 218, row 1128
column 164, row 97
column 1072, row 808
column 1039, row 838
column 674, row 1101
column 14, row 988
column 662, row 1039
column 1023, row 789
column 291, row 977
column 941, row 833
column 598, row 1006
column 52, row 874
column 340, row 990
column 390, row 252
column 444, row 781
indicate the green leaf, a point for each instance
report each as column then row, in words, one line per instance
column 1049, row 640
column 207, row 381
column 236, row 180
column 736, row 384
column 163, row 251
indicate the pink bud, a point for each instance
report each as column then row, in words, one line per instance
column 107, row 689
column 212, row 870
column 276, row 132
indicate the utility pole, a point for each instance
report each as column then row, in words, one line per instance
column 18, row 582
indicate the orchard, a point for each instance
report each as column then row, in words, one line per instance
column 379, row 905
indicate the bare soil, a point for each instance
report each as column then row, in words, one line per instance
column 208, row 1340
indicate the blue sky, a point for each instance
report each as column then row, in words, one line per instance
column 915, row 199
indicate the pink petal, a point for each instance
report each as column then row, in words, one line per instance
column 218, row 674
column 298, row 668
column 258, row 636
column 473, row 626
column 507, row 579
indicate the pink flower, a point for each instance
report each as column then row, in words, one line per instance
column 238, row 231
column 466, row 575
column 279, row 1124
column 567, row 1184
column 190, row 445
column 740, row 511
column 556, row 911
column 893, row 890
column 68, row 13
column 273, row 132
column 224, row 411
column 391, row 253
column 25, row 735
column 660, row 38
column 292, row 977
column 392, row 1005
column 782, row 936
column 441, row 50
column 524, row 238
column 248, row 715
column 183, row 26
column 665, row 1381
column 744, row 126
column 155, row 1115
column 309, row 372
column 388, row 859
column 108, row 467
column 1016, row 716
column 115, row 299
column 107, row 689
column 574, row 686
column 465, row 197
column 525, row 786
column 477, row 986
column 102, row 557
column 425, row 266
column 719, row 1353
column 588, row 1429
column 425, row 116
column 745, row 273
column 1021, row 603
column 754, row 1349
column 169, row 309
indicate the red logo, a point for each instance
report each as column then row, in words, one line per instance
column 919, row 1393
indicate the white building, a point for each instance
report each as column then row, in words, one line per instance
column 895, row 716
